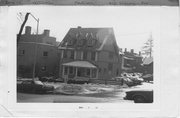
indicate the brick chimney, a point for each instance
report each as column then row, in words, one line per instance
column 79, row 27
column 46, row 33
column 28, row 30
column 139, row 53
column 132, row 51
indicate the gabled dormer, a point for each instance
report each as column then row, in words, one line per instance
column 70, row 42
column 90, row 39
column 79, row 39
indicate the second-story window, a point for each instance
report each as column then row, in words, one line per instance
column 72, row 54
column 110, row 66
column 93, row 56
column 45, row 53
column 21, row 52
column 85, row 55
column 65, row 54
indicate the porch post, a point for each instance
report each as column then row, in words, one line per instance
column 97, row 73
column 63, row 71
column 90, row 73
column 76, row 71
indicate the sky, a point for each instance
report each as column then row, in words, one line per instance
column 132, row 25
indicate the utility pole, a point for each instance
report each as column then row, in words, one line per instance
column 36, row 46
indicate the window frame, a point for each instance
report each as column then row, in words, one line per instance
column 93, row 58
column 85, row 53
column 22, row 52
column 45, row 53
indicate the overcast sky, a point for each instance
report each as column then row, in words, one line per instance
column 132, row 25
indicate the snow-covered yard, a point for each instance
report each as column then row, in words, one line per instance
column 63, row 88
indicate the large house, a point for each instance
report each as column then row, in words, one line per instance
column 89, row 54
column 37, row 52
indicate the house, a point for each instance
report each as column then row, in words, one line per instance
column 37, row 52
column 89, row 54
column 148, row 65
column 131, row 61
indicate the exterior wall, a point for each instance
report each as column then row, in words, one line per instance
column 26, row 60
column 38, row 38
column 102, row 62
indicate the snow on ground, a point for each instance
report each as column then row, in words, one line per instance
column 84, row 88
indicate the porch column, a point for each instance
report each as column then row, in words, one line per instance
column 63, row 71
column 90, row 72
column 76, row 71
column 97, row 73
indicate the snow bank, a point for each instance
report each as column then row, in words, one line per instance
column 63, row 88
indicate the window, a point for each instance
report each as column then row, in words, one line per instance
column 72, row 54
column 85, row 55
column 21, row 52
column 45, row 53
column 88, row 72
column 117, row 72
column 110, row 66
column 70, row 42
column 90, row 42
column 65, row 70
column 93, row 56
column 65, row 54
column 94, row 73
column 111, row 55
column 71, row 70
column 99, row 70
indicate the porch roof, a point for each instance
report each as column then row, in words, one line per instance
column 84, row 64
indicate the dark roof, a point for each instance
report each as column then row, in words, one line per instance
column 104, row 38
column 148, row 60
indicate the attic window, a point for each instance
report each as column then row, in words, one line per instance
column 70, row 42
column 90, row 42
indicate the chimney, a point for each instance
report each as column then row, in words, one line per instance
column 79, row 27
column 28, row 30
column 46, row 32
column 132, row 51
column 139, row 53
column 125, row 50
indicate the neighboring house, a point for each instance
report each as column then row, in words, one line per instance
column 131, row 62
column 148, row 65
column 89, row 54
column 40, row 50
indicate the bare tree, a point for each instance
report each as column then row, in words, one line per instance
column 147, row 48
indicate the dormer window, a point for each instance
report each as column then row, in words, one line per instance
column 90, row 39
column 90, row 42
column 79, row 39
column 70, row 42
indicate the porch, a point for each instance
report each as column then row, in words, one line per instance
column 79, row 71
